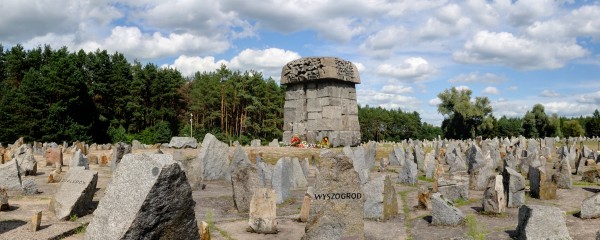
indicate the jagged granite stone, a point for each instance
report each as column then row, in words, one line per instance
column 214, row 157
column 74, row 194
column 332, row 217
column 183, row 142
column 443, row 212
column 148, row 198
column 542, row 222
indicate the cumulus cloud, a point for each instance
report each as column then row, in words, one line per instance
column 476, row 77
column 504, row 48
column 434, row 102
column 268, row 61
column 387, row 100
column 396, row 89
column 411, row 70
column 590, row 98
column 549, row 94
column 462, row 88
column 449, row 20
column 490, row 90
column 188, row 66
column 133, row 42
column 525, row 12
column 383, row 43
column 584, row 21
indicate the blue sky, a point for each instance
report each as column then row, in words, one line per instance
column 517, row 53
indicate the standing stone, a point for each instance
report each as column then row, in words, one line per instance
column 4, row 200
column 562, row 177
column 281, row 180
column 430, row 165
column 213, row 156
column 424, row 198
column 183, row 142
column 149, row 197
column 305, row 167
column 244, row 180
column 320, row 101
column 36, row 221
column 443, row 212
column 103, row 161
column 514, row 187
column 479, row 177
column 274, row 143
column 541, row 222
column 494, row 200
column 92, row 158
column 381, row 202
column 52, row 156
column 454, row 185
column 191, row 166
column 9, row 176
column 263, row 211
column 590, row 207
column 255, row 143
column 419, row 158
column 455, row 160
column 332, row 217
column 265, row 173
column 396, row 156
column 475, row 158
column 298, row 177
column 135, row 145
column 27, row 163
column 305, row 208
column 204, row 231
column 408, row 173
column 119, row 151
column 360, row 161
column 540, row 186
column 75, row 194
column 78, row 160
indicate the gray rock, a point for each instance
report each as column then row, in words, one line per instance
column 419, row 158
column 183, row 142
column 281, row 180
column 541, row 222
column 475, row 158
column 244, row 180
column 135, row 144
column 430, row 165
column 274, row 143
column 29, row 187
column 192, row 167
column 396, row 156
column 27, row 163
column 119, row 151
column 263, row 211
column 74, row 194
column 148, row 198
column 454, row 185
column 9, row 176
column 479, row 177
column 78, row 160
column 455, row 160
column 214, row 158
column 381, row 202
column 255, row 143
column 494, row 200
column 338, row 202
column 265, row 172
column 514, row 187
column 298, row 177
column 562, row 177
column 443, row 212
column 408, row 173
column 305, row 167
column 590, row 207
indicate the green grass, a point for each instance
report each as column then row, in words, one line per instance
column 211, row 225
column 585, row 184
column 463, row 202
column 81, row 229
column 406, row 211
column 73, row 218
column 572, row 212
column 425, row 179
column 474, row 230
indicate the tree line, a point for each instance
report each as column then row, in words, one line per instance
column 57, row 95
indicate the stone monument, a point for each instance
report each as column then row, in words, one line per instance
column 320, row 101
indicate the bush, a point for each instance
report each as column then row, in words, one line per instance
column 159, row 133
column 117, row 134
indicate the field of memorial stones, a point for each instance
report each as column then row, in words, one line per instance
column 443, row 189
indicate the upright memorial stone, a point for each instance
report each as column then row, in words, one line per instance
column 320, row 100
column 75, row 193
column 338, row 202
column 244, row 180
column 213, row 156
column 119, row 151
column 148, row 198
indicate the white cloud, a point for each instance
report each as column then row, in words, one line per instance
column 592, row 98
column 448, row 21
column 387, row 100
column 396, row 89
column 462, row 88
column 512, row 88
column 584, row 21
column 188, row 66
column 476, row 77
column 360, row 67
column 521, row 53
column 549, row 93
column 268, row 61
column 434, row 102
column 411, row 70
column 132, row 42
column 383, row 43
column 525, row 12
column 491, row 90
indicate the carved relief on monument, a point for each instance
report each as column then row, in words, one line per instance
column 304, row 69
